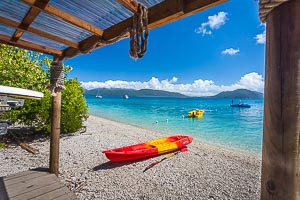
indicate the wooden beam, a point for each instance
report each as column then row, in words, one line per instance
column 129, row 4
column 28, row 19
column 281, row 138
column 163, row 13
column 66, row 17
column 16, row 25
column 30, row 46
column 85, row 46
column 158, row 15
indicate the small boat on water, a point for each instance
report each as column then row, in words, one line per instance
column 240, row 105
column 196, row 113
column 98, row 96
column 148, row 149
column 125, row 96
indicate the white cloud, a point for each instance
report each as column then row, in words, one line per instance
column 261, row 38
column 199, row 87
column 230, row 51
column 214, row 22
column 251, row 81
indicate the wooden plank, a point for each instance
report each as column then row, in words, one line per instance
column 3, row 193
column 28, row 19
column 158, row 15
column 16, row 25
column 17, row 175
column 67, row 196
column 281, row 144
column 129, row 4
column 66, row 17
column 60, row 193
column 30, row 185
column 24, row 178
column 49, row 189
column 30, row 46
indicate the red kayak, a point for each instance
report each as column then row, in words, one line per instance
column 148, row 149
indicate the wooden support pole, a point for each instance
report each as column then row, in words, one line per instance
column 55, row 132
column 281, row 140
column 55, row 122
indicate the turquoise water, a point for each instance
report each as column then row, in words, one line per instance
column 235, row 128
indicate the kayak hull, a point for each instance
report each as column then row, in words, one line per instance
column 148, row 149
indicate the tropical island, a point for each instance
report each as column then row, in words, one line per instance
column 239, row 93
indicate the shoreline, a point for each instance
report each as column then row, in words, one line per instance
column 204, row 172
column 210, row 145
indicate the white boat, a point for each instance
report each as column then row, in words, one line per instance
column 20, row 93
column 125, row 96
column 98, row 96
column 6, row 102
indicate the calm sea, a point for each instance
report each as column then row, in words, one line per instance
column 239, row 129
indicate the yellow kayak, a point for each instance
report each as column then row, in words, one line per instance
column 196, row 113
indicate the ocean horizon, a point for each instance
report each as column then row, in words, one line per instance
column 238, row 129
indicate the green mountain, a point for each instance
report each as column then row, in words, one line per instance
column 240, row 93
column 132, row 93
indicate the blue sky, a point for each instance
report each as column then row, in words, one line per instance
column 219, row 49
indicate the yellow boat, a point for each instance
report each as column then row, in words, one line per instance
column 196, row 113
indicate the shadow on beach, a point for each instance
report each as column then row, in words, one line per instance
column 111, row 165
column 27, row 134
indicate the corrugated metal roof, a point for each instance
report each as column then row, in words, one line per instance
column 6, row 30
column 102, row 14
column 70, row 27
column 43, row 41
column 14, row 10
column 59, row 27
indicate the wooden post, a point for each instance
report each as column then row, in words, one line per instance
column 281, row 140
column 55, row 132
column 55, row 121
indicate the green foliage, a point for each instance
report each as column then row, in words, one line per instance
column 3, row 145
column 74, row 108
column 26, row 69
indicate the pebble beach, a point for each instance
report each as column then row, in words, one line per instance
column 203, row 172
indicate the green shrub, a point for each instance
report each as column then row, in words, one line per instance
column 26, row 69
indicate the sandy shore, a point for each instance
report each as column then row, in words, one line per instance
column 204, row 172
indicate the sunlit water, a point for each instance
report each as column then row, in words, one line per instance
column 234, row 128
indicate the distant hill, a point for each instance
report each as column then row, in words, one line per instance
column 132, row 93
column 240, row 93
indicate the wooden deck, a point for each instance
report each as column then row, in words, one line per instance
column 34, row 184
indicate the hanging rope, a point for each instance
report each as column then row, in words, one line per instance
column 266, row 6
column 139, row 33
column 56, row 77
